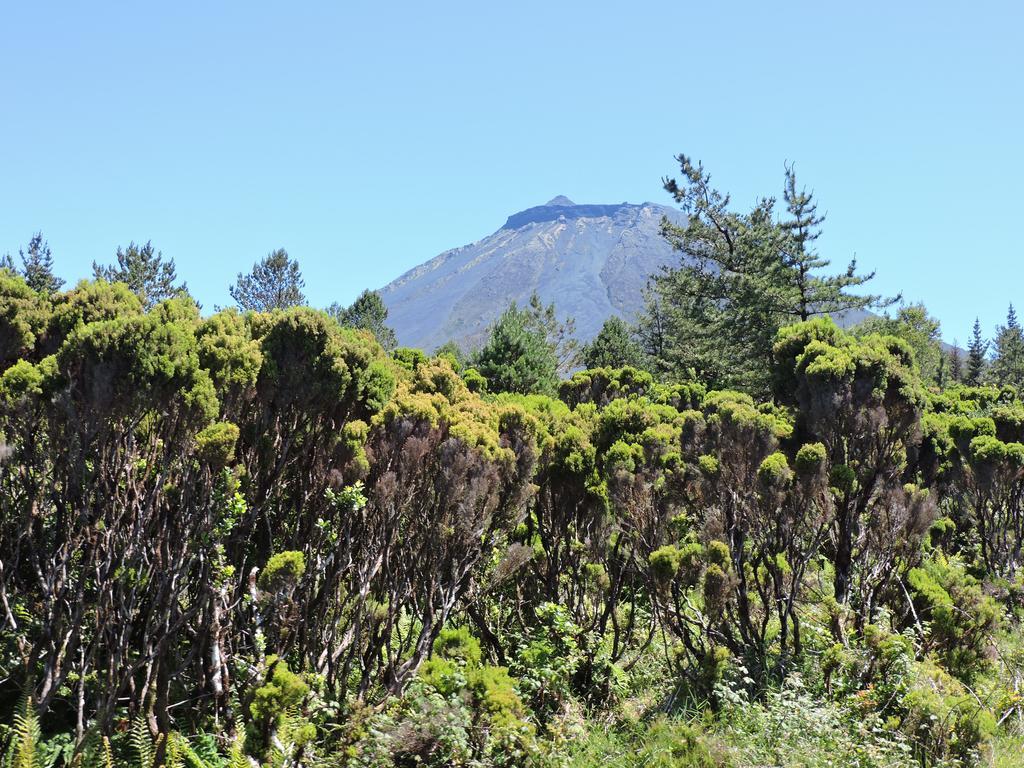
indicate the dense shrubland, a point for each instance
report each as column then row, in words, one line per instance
column 263, row 538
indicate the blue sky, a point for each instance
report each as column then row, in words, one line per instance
column 367, row 137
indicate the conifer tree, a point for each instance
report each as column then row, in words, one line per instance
column 815, row 294
column 744, row 276
column 145, row 272
column 613, row 347
column 368, row 313
column 518, row 356
column 274, row 283
column 956, row 365
column 976, row 352
column 1008, row 357
column 560, row 336
column 37, row 266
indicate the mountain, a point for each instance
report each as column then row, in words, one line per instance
column 592, row 261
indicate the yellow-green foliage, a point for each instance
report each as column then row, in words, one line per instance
column 89, row 302
column 960, row 619
column 943, row 717
column 283, row 569
column 410, row 359
column 116, row 365
column 282, row 689
column 774, row 471
column 21, row 380
column 600, row 386
column 23, row 318
column 309, row 362
column 228, row 351
column 737, row 410
column 810, row 458
column 816, row 354
column 709, row 465
column 665, row 562
column 989, row 451
column 434, row 393
column 216, row 443
column 458, row 644
column 495, row 693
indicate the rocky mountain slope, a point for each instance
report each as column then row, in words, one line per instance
column 592, row 261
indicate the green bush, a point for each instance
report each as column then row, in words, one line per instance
column 282, row 570
column 960, row 620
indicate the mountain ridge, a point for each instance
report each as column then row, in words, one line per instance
column 591, row 260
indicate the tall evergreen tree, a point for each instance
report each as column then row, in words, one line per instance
column 744, row 276
column 956, row 365
column 815, row 294
column 274, row 283
column 37, row 266
column 145, row 272
column 518, row 356
column 976, row 351
column 613, row 347
column 1008, row 356
column 368, row 313
column 560, row 335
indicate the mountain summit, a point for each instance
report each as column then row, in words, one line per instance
column 592, row 261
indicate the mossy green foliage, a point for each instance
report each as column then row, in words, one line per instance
column 774, row 471
column 435, row 394
column 960, row 619
column 810, row 458
column 817, row 355
column 23, row 318
column 216, row 443
column 281, row 690
column 311, row 363
column 283, row 569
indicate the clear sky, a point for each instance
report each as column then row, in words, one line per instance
column 366, row 138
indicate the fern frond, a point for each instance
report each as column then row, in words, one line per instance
column 184, row 756
column 142, row 743
column 236, row 756
column 23, row 751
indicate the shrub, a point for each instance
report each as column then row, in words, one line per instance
column 282, row 570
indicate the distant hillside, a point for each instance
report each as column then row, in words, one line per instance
column 592, row 261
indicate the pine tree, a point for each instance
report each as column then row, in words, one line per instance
column 368, row 313
column 560, row 336
column 956, row 366
column 37, row 266
column 976, row 352
column 274, row 283
column 145, row 272
column 613, row 347
column 1008, row 357
column 815, row 294
column 744, row 276
column 518, row 356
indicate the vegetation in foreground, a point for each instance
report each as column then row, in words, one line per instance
column 269, row 537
